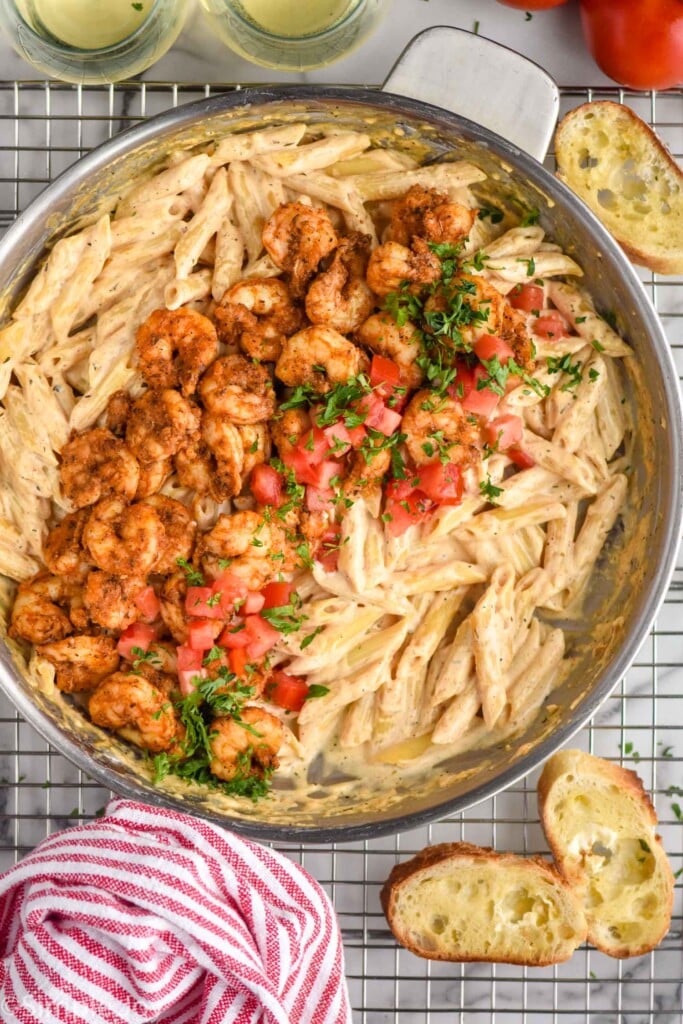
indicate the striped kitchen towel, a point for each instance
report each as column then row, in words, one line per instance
column 151, row 915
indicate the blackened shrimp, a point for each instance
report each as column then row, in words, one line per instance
column 96, row 465
column 248, row 746
column 258, row 314
column 179, row 531
column 174, row 348
column 437, row 428
column 339, row 296
column 393, row 265
column 38, row 613
column 319, row 356
column 159, row 423
column 172, row 600
column 81, row 662
column 256, row 445
column 425, row 213
column 125, row 539
column 297, row 238
column 63, row 551
column 110, row 600
column 137, row 709
column 238, row 389
column 380, row 333
column 244, row 542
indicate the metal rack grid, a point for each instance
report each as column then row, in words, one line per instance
column 44, row 127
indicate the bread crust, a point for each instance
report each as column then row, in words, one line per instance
column 616, row 114
column 466, row 852
column 579, row 764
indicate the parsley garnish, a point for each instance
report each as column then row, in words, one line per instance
column 137, row 6
column 194, row 577
column 403, row 305
column 563, row 364
column 310, row 638
column 286, row 617
column 644, row 847
column 530, row 217
column 596, row 345
column 493, row 213
column 316, row 690
column 489, row 489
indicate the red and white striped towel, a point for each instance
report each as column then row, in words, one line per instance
column 151, row 915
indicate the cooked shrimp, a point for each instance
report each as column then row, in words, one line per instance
column 514, row 330
column 153, row 476
column 81, row 662
column 289, row 427
column 36, row 613
column 437, row 426
column 339, row 296
column 380, row 333
column 425, row 213
column 172, row 600
column 246, row 541
column 96, row 465
column 195, row 467
column 126, row 539
column 481, row 307
column 174, row 348
column 256, row 444
column 297, row 237
column 392, row 265
column 160, row 665
column 319, row 356
column 63, row 551
column 225, row 444
column 179, row 530
column 110, row 600
column 366, row 474
column 159, row 423
column 258, row 314
column 245, row 746
column 238, row 389
column 117, row 412
column 138, row 710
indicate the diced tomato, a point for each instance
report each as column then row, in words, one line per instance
column 465, row 381
column 442, row 483
column 357, row 435
column 276, row 594
column 405, row 506
column 287, row 691
column 266, row 485
column 480, row 401
column 230, row 590
column 528, row 297
column 314, row 445
column 384, row 371
column 520, row 458
column 238, row 660
column 378, row 416
column 328, row 553
column 490, row 345
column 338, row 438
column 318, row 498
column 188, row 678
column 551, row 326
column 262, row 636
column 148, row 604
column 234, row 636
column 201, row 634
column 503, row 432
column 298, row 461
column 253, row 604
column 204, row 602
column 188, row 658
column 138, row 634
column 326, row 472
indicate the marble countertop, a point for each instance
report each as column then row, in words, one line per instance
column 642, row 722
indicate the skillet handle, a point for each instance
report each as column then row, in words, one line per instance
column 481, row 80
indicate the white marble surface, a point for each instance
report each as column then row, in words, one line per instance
column 642, row 721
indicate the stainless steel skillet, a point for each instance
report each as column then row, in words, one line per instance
column 630, row 586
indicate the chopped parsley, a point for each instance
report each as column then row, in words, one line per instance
column 194, row 577
column 530, row 217
column 644, row 846
column 308, row 640
column 596, row 345
column 492, row 213
column 403, row 305
column 489, row 489
column 286, row 618
column 316, row 690
column 563, row 364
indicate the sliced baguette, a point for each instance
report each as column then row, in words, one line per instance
column 617, row 165
column 461, row 902
column 600, row 825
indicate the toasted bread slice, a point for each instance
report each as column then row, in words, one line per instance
column 600, row 825
column 461, row 902
column 618, row 166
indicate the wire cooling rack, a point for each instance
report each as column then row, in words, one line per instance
column 44, row 127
